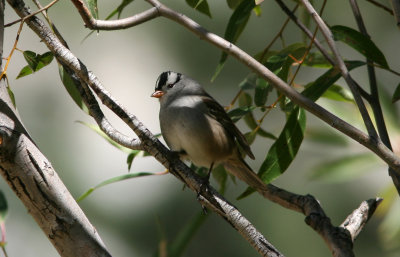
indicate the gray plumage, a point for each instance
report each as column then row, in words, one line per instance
column 198, row 128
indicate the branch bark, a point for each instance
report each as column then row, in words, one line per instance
column 308, row 205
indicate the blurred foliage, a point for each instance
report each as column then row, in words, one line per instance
column 256, row 98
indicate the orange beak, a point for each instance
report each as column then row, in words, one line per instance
column 157, row 94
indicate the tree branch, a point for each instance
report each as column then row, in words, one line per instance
column 308, row 205
column 374, row 100
column 339, row 63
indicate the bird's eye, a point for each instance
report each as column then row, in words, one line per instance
column 170, row 85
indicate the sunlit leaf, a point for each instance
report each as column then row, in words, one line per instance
column 113, row 180
column 284, row 150
column 200, row 5
column 27, row 70
column 363, row 44
column 236, row 25
column 92, row 5
column 70, row 86
column 344, row 168
column 338, row 93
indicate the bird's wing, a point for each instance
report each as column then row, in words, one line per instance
column 218, row 113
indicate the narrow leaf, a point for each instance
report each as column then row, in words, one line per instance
column 338, row 93
column 131, row 156
column 233, row 4
column 113, row 180
column 284, row 150
column 92, row 5
column 359, row 42
column 200, row 5
column 236, row 25
column 27, row 70
column 31, row 59
column 238, row 113
column 316, row 60
column 71, row 88
column 319, row 86
column 244, row 101
column 12, row 96
column 396, row 94
column 261, row 92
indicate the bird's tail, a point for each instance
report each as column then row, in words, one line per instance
column 239, row 168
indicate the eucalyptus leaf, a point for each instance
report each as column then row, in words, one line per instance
column 200, row 5
column 113, row 180
column 359, row 42
column 338, row 93
column 284, row 150
column 238, row 113
column 70, row 86
column 396, row 94
column 236, row 25
column 92, row 5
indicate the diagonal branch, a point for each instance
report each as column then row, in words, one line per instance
column 373, row 98
column 339, row 63
column 307, row 205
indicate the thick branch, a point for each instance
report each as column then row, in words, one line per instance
column 36, row 183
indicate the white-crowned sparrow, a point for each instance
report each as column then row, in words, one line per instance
column 197, row 127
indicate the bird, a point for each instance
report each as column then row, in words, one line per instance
column 196, row 127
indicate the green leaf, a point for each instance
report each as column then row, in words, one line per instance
column 261, row 92
column 44, row 60
column 12, row 96
column 249, row 82
column 200, row 5
column 284, row 150
column 238, row 113
column 27, row 70
column 316, row 60
column 344, row 168
column 71, row 88
column 233, row 4
column 245, row 101
column 360, row 43
column 236, row 25
column 338, row 93
column 3, row 207
column 113, row 180
column 31, row 59
column 319, row 86
column 131, row 157
column 396, row 94
column 92, row 5
column 35, row 62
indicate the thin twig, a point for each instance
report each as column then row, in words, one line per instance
column 32, row 14
column 343, row 69
column 374, row 95
column 381, row 6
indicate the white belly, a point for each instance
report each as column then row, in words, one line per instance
column 190, row 130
